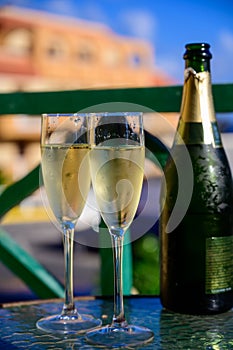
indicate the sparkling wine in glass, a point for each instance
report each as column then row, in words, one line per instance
column 117, row 168
column 66, row 176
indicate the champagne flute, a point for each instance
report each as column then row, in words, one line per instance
column 66, row 176
column 117, row 167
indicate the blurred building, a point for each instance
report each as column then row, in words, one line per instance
column 41, row 51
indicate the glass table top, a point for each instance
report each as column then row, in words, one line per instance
column 172, row 331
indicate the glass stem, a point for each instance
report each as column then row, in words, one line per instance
column 68, row 240
column 119, row 315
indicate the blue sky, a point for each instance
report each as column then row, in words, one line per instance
column 167, row 24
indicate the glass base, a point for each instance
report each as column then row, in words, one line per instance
column 116, row 337
column 68, row 325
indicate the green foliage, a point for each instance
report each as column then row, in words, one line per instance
column 146, row 264
column 2, row 178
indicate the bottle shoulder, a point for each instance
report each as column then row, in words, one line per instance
column 212, row 186
column 198, row 133
column 205, row 159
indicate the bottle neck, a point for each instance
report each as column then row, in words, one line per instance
column 197, row 103
column 198, row 56
column 197, row 108
column 199, row 65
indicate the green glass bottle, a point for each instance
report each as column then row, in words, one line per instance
column 196, row 275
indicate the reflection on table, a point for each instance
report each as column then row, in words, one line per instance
column 172, row 331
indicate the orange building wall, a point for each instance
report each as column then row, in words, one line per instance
column 42, row 51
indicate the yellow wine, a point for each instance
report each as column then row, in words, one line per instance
column 117, row 176
column 66, row 179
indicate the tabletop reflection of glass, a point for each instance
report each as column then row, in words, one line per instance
column 172, row 331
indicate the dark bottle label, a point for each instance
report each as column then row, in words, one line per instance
column 219, row 264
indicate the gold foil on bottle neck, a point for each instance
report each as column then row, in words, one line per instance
column 197, row 104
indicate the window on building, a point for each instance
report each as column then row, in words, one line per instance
column 56, row 48
column 18, row 42
column 135, row 60
column 86, row 52
column 111, row 57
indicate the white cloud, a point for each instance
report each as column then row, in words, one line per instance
column 93, row 11
column 222, row 50
column 171, row 67
column 64, row 7
column 226, row 40
column 140, row 23
column 88, row 9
